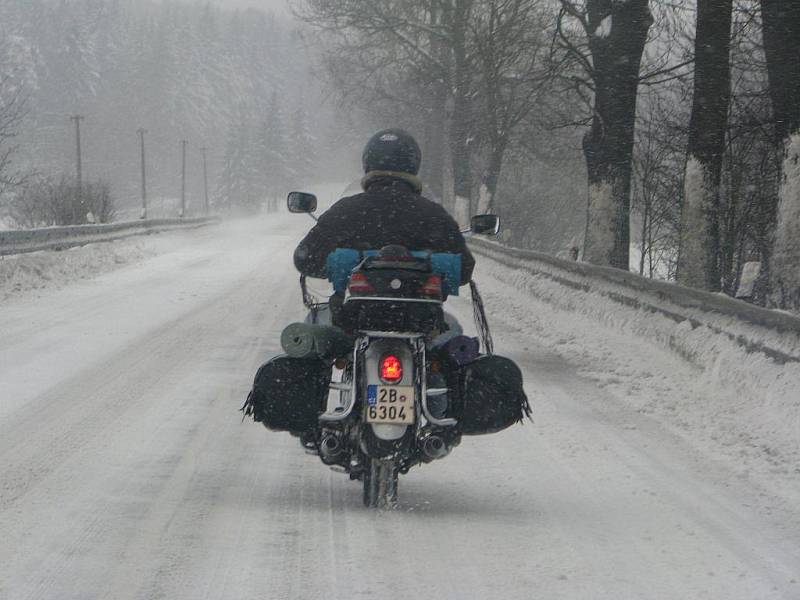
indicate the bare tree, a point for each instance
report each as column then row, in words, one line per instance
column 698, row 263
column 465, row 74
column 614, row 37
column 781, row 34
column 43, row 202
column 510, row 43
column 412, row 60
column 12, row 112
column 659, row 159
column 750, row 170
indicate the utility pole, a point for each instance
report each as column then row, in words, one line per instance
column 205, row 178
column 142, row 133
column 79, row 167
column 184, row 143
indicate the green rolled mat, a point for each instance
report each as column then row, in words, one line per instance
column 297, row 341
column 302, row 340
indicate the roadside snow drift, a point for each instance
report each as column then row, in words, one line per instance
column 735, row 389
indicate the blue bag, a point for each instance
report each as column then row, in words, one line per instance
column 341, row 262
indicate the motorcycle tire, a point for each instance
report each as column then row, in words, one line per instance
column 380, row 484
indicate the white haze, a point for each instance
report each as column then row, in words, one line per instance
column 278, row 6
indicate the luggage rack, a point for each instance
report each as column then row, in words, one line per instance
column 344, row 410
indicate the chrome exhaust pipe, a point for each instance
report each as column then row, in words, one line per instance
column 331, row 446
column 434, row 447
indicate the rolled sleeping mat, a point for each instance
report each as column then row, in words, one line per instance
column 305, row 340
column 297, row 341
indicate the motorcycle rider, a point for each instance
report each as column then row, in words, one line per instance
column 390, row 211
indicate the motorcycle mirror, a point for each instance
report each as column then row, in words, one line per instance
column 301, row 202
column 485, row 224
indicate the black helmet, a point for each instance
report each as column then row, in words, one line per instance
column 392, row 150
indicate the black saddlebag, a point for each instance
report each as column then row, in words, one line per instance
column 289, row 394
column 492, row 396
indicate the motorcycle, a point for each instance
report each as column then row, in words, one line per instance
column 400, row 397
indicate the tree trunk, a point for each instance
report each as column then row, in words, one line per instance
column 785, row 267
column 460, row 116
column 434, row 148
column 782, row 48
column 781, row 34
column 644, row 248
column 436, row 133
column 698, row 259
column 618, row 32
column 491, row 177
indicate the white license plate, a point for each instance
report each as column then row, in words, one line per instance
column 390, row 404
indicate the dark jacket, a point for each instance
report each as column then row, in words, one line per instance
column 389, row 212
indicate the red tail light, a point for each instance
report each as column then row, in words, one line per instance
column 359, row 284
column 391, row 369
column 432, row 286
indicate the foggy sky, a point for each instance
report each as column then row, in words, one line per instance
column 274, row 5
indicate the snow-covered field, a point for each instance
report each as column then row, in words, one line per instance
column 126, row 472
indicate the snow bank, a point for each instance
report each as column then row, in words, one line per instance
column 61, row 237
column 47, row 269
column 721, row 373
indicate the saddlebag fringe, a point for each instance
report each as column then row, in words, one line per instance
column 481, row 324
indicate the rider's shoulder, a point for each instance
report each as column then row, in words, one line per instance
column 372, row 198
column 346, row 203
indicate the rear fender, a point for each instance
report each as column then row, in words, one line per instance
column 372, row 357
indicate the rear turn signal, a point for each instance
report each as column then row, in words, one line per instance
column 391, row 369
column 432, row 286
column 359, row 284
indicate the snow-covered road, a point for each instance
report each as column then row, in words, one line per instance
column 126, row 472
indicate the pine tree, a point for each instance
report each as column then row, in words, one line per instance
column 239, row 187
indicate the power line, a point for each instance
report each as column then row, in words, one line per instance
column 184, row 143
column 79, row 166
column 205, row 178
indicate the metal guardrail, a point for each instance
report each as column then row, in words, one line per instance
column 718, row 312
column 61, row 238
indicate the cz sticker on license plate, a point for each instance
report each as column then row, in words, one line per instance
column 390, row 404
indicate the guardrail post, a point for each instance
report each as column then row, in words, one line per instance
column 79, row 166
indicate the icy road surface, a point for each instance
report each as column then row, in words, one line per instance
column 126, row 472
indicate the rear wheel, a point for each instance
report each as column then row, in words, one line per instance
column 380, row 484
